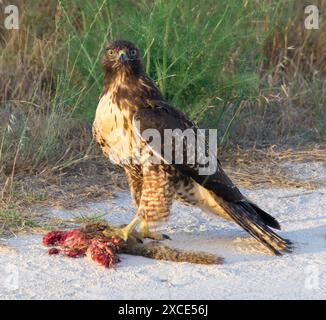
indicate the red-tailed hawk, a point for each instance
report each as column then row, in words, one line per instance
column 130, row 104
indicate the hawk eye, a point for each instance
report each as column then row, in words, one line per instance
column 133, row 52
column 110, row 52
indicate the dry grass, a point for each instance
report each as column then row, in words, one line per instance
column 257, row 168
column 291, row 106
column 22, row 208
column 296, row 52
column 23, row 204
column 87, row 182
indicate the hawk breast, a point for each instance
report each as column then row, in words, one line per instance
column 112, row 129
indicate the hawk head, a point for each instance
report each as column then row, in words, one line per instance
column 122, row 56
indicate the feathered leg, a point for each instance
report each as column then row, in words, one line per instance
column 154, row 202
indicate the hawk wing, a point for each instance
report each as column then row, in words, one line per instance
column 160, row 115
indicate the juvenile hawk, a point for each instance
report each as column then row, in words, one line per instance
column 129, row 96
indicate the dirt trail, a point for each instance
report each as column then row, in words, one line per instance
column 27, row 272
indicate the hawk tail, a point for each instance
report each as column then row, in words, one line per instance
column 256, row 224
column 267, row 218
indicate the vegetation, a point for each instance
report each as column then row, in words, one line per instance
column 247, row 68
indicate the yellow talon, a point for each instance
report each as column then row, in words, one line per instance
column 123, row 232
column 145, row 233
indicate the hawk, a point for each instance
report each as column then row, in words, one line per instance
column 131, row 97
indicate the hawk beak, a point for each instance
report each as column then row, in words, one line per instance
column 123, row 57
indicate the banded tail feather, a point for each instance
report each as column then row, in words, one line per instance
column 256, row 222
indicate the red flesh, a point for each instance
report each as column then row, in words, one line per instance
column 76, row 243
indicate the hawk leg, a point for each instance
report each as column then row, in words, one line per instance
column 156, row 199
column 151, row 192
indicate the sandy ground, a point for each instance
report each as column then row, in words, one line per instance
column 27, row 272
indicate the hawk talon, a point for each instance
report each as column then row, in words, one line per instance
column 145, row 233
column 155, row 236
column 166, row 237
column 122, row 232
column 117, row 232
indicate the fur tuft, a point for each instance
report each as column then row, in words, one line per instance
column 158, row 251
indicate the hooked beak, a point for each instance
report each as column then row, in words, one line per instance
column 122, row 56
